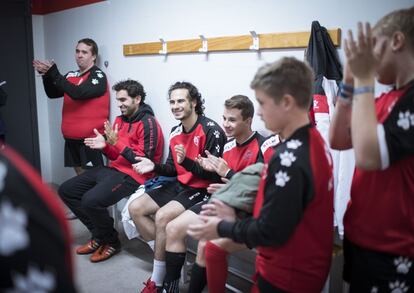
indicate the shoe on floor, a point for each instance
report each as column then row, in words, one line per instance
column 151, row 287
column 104, row 252
column 91, row 246
column 69, row 215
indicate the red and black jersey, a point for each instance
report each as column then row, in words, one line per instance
column 140, row 135
column 34, row 235
column 239, row 156
column 85, row 100
column 204, row 135
column 380, row 215
column 268, row 146
column 293, row 215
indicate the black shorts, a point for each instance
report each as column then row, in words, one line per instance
column 372, row 271
column 77, row 154
column 185, row 195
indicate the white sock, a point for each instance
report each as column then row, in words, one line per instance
column 158, row 272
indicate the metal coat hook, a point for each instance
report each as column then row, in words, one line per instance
column 163, row 51
column 204, row 48
column 255, row 45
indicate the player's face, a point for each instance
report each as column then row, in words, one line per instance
column 270, row 112
column 233, row 123
column 84, row 57
column 385, row 57
column 180, row 104
column 126, row 104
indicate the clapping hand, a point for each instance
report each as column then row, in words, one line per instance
column 97, row 142
column 143, row 166
column 180, row 151
column 42, row 66
column 111, row 134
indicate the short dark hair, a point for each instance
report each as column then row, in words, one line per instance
column 399, row 20
column 92, row 44
column 242, row 103
column 286, row 76
column 133, row 88
column 193, row 93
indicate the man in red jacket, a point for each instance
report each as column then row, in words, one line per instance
column 135, row 133
column 85, row 103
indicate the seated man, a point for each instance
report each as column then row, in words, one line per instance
column 136, row 132
column 195, row 135
column 292, row 218
column 243, row 150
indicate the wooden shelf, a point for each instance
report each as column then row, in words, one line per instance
column 230, row 43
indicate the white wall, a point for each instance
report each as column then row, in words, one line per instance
column 117, row 22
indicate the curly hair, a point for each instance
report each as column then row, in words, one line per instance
column 133, row 88
column 193, row 93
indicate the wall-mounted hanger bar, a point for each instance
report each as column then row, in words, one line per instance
column 230, row 43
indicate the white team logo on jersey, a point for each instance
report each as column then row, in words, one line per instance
column 281, row 178
column 210, row 123
column 398, row 287
column 196, row 140
column 293, row 144
column 287, row 158
column 403, row 265
column 405, row 120
column 217, row 148
column 36, row 280
column 95, row 81
column 100, row 75
column 13, row 229
column 217, row 134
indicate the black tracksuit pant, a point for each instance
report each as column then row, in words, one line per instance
column 90, row 194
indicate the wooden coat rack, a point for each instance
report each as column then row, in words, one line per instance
column 230, row 43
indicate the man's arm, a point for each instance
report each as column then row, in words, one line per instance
column 94, row 86
column 282, row 211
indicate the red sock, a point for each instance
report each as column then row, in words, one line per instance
column 216, row 267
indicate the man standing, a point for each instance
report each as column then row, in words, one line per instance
column 135, row 133
column 292, row 218
column 85, row 105
column 195, row 135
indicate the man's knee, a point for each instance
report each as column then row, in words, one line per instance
column 176, row 230
column 64, row 190
column 163, row 217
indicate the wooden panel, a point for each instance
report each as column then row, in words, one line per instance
column 231, row 43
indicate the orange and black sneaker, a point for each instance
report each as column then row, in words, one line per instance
column 91, row 246
column 104, row 252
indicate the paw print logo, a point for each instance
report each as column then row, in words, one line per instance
column 3, row 173
column 404, row 120
column 293, row 144
column 217, row 148
column 34, row 281
column 398, row 287
column 210, row 123
column 374, row 290
column 100, row 75
column 217, row 134
column 13, row 233
column 402, row 265
column 287, row 158
column 95, row 81
column 281, row 178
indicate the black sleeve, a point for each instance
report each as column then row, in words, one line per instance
column 3, row 97
column 230, row 174
column 399, row 128
column 168, row 168
column 283, row 207
column 94, row 86
column 52, row 91
column 150, row 136
column 215, row 140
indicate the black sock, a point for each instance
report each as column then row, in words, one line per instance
column 174, row 261
column 198, row 279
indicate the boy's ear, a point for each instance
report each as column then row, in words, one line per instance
column 398, row 41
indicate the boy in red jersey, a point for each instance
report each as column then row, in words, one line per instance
column 136, row 132
column 293, row 214
column 195, row 135
column 85, row 103
column 379, row 221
